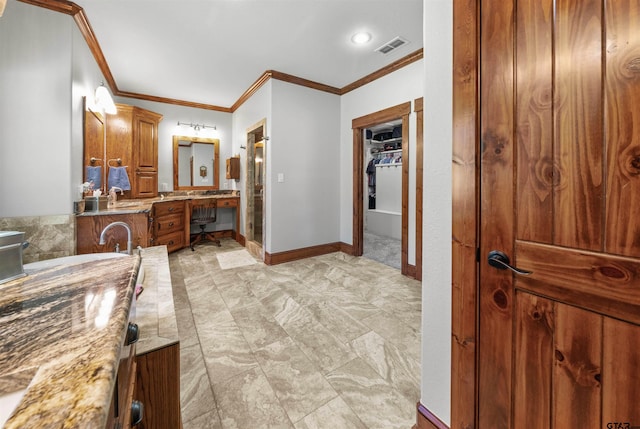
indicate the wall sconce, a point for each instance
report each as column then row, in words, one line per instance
column 197, row 127
column 3, row 3
column 104, row 101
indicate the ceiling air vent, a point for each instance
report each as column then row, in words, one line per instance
column 392, row 45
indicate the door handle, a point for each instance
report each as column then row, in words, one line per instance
column 499, row 260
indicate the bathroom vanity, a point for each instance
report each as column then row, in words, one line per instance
column 69, row 355
column 153, row 222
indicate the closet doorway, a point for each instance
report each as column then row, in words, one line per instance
column 397, row 114
column 383, row 193
column 255, row 191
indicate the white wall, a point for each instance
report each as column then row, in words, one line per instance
column 86, row 77
column 46, row 71
column 436, row 280
column 399, row 87
column 255, row 109
column 304, row 147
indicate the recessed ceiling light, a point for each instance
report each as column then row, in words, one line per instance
column 361, row 38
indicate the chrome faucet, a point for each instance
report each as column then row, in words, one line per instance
column 113, row 194
column 112, row 224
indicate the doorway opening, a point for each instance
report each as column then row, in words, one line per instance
column 382, row 239
column 397, row 114
column 256, row 167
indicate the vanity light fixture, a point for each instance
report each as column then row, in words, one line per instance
column 104, row 101
column 361, row 38
column 197, row 127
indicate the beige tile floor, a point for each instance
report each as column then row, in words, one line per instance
column 328, row 342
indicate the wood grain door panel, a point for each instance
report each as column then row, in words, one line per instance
column 147, row 149
column 560, row 187
column 606, row 284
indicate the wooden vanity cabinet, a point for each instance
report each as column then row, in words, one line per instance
column 168, row 225
column 157, row 386
column 89, row 228
column 132, row 137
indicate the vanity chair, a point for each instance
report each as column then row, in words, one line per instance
column 203, row 212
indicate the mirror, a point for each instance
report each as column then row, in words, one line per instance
column 195, row 163
column 94, row 149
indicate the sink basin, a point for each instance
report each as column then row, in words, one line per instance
column 78, row 259
column 69, row 260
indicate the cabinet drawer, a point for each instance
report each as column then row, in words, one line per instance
column 169, row 223
column 227, row 202
column 173, row 241
column 172, row 207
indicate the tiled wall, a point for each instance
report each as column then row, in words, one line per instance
column 48, row 236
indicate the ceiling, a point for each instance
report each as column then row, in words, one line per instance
column 212, row 51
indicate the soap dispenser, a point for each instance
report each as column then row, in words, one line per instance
column 113, row 197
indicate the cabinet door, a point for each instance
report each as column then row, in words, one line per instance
column 233, row 168
column 146, row 143
column 158, row 387
column 146, row 184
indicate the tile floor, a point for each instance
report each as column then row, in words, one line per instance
column 329, row 342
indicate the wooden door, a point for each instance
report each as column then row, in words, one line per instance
column 560, row 195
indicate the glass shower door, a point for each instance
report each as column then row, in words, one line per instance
column 258, row 191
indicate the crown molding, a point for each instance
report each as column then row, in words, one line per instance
column 304, row 82
column 72, row 9
column 396, row 65
column 255, row 86
column 61, row 6
column 173, row 101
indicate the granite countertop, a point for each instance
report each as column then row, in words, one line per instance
column 144, row 205
column 155, row 313
column 55, row 344
column 63, row 332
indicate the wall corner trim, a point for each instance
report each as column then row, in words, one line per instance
column 425, row 419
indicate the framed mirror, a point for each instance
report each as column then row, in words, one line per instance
column 196, row 164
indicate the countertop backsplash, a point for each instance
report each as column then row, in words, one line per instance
column 48, row 236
